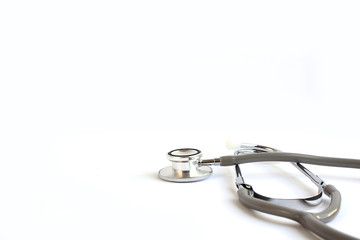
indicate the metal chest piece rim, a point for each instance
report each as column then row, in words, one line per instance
column 185, row 166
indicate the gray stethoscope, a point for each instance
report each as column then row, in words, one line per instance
column 187, row 166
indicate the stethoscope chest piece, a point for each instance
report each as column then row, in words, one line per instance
column 185, row 166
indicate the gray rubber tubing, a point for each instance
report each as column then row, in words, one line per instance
column 289, row 157
column 311, row 221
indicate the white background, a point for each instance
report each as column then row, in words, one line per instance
column 93, row 94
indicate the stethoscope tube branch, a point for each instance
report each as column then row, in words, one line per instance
column 315, row 222
column 289, row 157
column 311, row 221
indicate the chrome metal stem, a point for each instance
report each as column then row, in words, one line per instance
column 314, row 178
column 210, row 162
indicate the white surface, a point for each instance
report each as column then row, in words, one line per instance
column 93, row 94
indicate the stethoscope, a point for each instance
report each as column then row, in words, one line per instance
column 187, row 166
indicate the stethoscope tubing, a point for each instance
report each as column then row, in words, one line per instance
column 315, row 222
column 311, row 221
column 289, row 157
